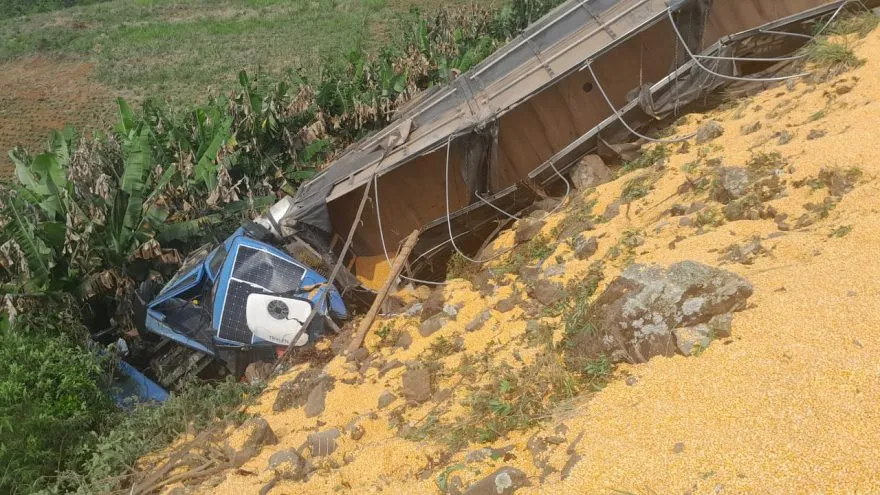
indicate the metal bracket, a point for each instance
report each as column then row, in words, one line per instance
column 583, row 3
column 537, row 54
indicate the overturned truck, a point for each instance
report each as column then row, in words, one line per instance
column 461, row 161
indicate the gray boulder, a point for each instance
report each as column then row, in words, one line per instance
column 416, row 385
column 385, row 399
column 547, row 292
column 752, row 128
column 288, row 464
column 478, row 321
column 585, row 247
column 638, row 311
column 527, row 228
column 709, row 131
column 733, row 183
column 433, row 324
column 315, row 402
column 590, row 172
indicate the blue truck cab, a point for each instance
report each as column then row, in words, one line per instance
column 242, row 295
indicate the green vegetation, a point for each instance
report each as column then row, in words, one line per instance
column 534, row 251
column 51, row 397
column 649, row 158
column 93, row 214
column 832, row 56
column 59, row 430
column 15, row 8
column 841, row 231
column 859, row 23
column 832, row 51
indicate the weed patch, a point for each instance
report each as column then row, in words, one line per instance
column 649, row 158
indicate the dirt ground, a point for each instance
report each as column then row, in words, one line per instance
column 39, row 94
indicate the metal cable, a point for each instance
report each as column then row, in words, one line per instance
column 699, row 64
column 382, row 237
column 449, row 219
column 589, row 66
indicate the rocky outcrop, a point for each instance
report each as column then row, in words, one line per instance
column 637, row 315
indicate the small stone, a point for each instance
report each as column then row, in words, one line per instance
column 417, row 385
column 442, row 395
column 554, row 271
column 685, row 148
column 555, row 440
column 504, row 481
column 842, row 89
column 478, row 321
column 852, row 293
column 709, row 131
column 451, row 310
column 527, row 228
column 585, row 248
column 590, row 172
column 816, row 134
column 505, row 305
column 752, row 128
column 611, row 211
column 688, row 339
column 781, row 224
column 677, row 210
column 258, row 372
column 315, row 403
column 258, row 434
column 678, row 448
column 686, row 222
column 359, row 355
column 385, row 399
column 433, row 324
column 733, row 184
column 631, row 380
column 529, row 274
column 434, row 305
column 785, row 137
column 858, row 343
column 721, row 325
column 414, row 310
column 547, row 292
column 288, row 464
column 356, row 431
column 404, row 340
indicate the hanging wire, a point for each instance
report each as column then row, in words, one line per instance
column 821, row 30
column 551, row 212
column 382, row 236
column 589, row 66
column 449, row 219
column 699, row 64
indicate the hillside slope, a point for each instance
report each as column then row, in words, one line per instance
column 789, row 403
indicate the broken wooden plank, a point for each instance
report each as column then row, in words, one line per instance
column 396, row 268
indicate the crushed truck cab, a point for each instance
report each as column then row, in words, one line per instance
column 244, row 296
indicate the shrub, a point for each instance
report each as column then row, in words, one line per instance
column 52, row 396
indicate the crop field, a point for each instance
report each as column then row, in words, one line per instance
column 68, row 66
